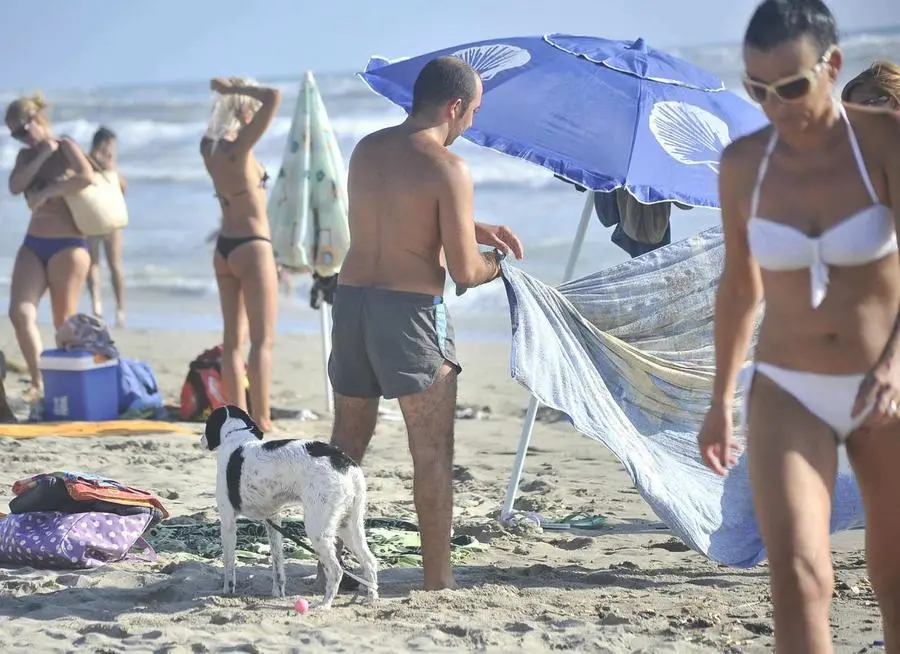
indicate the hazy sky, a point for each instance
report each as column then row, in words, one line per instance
column 86, row 43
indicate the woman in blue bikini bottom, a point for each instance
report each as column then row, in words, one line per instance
column 44, row 248
column 54, row 254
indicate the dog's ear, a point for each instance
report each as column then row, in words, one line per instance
column 212, row 435
column 239, row 414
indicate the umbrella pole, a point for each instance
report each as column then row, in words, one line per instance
column 531, row 414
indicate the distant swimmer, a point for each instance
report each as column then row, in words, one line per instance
column 103, row 156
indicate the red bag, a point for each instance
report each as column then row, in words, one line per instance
column 202, row 391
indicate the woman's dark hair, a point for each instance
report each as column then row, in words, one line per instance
column 101, row 136
column 441, row 80
column 780, row 21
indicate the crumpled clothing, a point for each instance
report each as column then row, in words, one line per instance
column 83, row 332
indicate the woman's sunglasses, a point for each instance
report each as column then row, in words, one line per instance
column 21, row 132
column 882, row 101
column 788, row 89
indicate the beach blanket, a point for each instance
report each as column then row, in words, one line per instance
column 88, row 429
column 627, row 354
column 393, row 542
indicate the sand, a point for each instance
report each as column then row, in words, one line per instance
column 629, row 587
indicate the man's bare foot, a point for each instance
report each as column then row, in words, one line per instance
column 120, row 318
column 265, row 425
column 445, row 582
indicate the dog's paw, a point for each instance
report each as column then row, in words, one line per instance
column 320, row 606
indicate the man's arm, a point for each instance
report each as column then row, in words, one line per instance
column 467, row 266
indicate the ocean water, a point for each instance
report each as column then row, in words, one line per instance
column 169, row 278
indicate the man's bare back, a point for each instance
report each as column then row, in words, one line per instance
column 396, row 179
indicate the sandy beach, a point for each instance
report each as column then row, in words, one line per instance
column 626, row 587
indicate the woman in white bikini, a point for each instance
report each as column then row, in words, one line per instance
column 243, row 259
column 810, row 208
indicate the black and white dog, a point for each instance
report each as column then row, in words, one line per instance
column 257, row 479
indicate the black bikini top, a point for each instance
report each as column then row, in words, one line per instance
column 263, row 184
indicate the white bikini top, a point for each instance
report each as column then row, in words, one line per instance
column 863, row 237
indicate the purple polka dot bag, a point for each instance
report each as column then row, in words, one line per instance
column 72, row 540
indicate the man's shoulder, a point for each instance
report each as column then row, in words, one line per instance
column 378, row 136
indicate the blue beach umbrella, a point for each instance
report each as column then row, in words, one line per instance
column 603, row 114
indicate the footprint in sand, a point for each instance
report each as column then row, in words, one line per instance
column 105, row 629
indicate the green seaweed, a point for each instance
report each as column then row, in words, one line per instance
column 393, row 542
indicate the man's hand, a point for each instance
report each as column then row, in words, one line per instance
column 500, row 237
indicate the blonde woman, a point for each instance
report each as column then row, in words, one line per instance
column 877, row 86
column 54, row 254
column 243, row 260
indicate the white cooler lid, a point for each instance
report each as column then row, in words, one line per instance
column 72, row 361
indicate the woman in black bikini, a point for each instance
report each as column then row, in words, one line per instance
column 243, row 259
column 54, row 254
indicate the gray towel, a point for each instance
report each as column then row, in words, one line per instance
column 627, row 354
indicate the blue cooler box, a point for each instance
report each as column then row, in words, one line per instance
column 76, row 387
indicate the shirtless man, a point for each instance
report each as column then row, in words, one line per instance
column 410, row 215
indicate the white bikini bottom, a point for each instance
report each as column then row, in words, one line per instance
column 830, row 398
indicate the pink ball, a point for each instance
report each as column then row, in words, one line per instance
column 301, row 605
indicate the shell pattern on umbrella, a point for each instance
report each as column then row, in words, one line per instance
column 490, row 60
column 689, row 134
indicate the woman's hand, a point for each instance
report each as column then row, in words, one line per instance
column 717, row 446
column 880, row 394
column 35, row 199
column 47, row 148
column 220, row 85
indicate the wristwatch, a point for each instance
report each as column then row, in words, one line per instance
column 500, row 257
